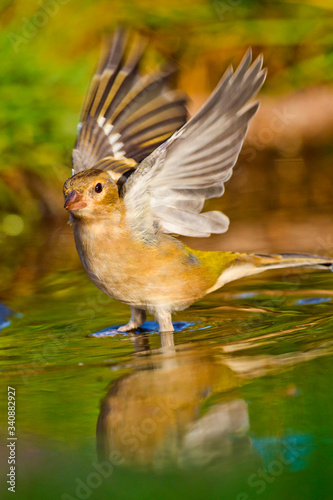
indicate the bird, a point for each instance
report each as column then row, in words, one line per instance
column 142, row 171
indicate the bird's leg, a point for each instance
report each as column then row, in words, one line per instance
column 163, row 319
column 167, row 339
column 138, row 316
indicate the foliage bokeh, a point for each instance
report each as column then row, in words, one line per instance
column 49, row 51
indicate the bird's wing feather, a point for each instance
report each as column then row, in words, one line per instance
column 173, row 183
column 125, row 115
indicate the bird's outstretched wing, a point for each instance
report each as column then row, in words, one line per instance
column 172, row 184
column 125, row 116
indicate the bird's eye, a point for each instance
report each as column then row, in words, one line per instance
column 98, row 187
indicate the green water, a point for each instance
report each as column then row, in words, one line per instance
column 240, row 407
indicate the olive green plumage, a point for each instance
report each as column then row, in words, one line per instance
column 213, row 261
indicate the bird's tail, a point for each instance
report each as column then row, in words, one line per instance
column 248, row 264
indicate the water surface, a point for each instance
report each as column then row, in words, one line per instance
column 237, row 403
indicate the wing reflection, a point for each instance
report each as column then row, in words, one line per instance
column 158, row 416
column 183, row 406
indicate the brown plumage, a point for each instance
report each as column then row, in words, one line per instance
column 141, row 175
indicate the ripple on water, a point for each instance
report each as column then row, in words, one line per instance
column 147, row 327
column 312, row 300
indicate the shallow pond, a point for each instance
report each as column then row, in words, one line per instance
column 237, row 404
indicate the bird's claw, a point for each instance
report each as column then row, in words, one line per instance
column 127, row 328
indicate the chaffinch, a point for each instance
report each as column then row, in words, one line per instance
column 141, row 175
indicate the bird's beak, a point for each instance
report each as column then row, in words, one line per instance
column 74, row 201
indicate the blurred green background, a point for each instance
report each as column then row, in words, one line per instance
column 49, row 50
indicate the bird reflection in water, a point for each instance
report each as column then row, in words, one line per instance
column 182, row 406
column 158, row 415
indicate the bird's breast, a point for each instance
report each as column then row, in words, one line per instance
column 136, row 273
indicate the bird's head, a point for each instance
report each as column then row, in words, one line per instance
column 90, row 193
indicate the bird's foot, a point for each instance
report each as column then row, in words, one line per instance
column 138, row 316
column 131, row 325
